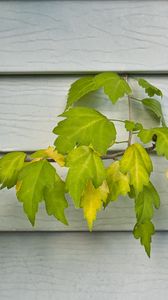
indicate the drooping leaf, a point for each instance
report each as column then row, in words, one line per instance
column 55, row 200
column 115, row 87
column 159, row 135
column 137, row 163
column 146, row 200
column 154, row 106
column 150, row 89
column 10, row 165
column 50, row 152
column 118, row 182
column 37, row 182
column 84, row 165
column 84, row 126
column 132, row 126
column 144, row 231
column 92, row 200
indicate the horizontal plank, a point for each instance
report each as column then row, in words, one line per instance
column 117, row 216
column 29, row 107
column 49, row 266
column 81, row 36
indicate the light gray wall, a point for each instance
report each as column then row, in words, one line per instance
column 73, row 266
column 58, row 36
column 44, row 46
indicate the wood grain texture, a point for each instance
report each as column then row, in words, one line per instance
column 81, row 36
column 29, row 107
column 73, row 266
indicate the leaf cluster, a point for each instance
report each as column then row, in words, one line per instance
column 83, row 136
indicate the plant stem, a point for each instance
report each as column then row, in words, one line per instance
column 121, row 142
column 116, row 120
column 129, row 114
column 136, row 99
column 130, row 117
column 111, row 154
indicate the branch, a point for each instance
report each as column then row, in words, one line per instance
column 111, row 154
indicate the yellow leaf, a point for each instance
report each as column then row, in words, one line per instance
column 118, row 182
column 92, row 201
column 18, row 186
column 137, row 163
column 52, row 153
column 35, row 159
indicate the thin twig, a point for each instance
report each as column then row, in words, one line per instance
column 129, row 113
column 130, row 117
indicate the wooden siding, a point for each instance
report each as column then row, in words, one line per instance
column 80, row 36
column 73, row 266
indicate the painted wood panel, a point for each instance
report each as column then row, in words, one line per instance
column 29, row 107
column 73, row 266
column 80, row 36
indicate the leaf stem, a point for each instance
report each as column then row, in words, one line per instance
column 117, row 120
column 121, row 142
column 136, row 99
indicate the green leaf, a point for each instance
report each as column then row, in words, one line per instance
column 118, row 182
column 154, row 106
column 80, row 88
column 137, row 163
column 150, row 89
column 159, row 135
column 144, row 203
column 84, row 165
column 10, row 165
column 114, row 86
column 132, row 126
column 84, row 126
column 38, row 181
column 132, row 193
column 144, row 231
column 55, row 200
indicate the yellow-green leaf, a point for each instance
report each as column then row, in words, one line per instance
column 55, row 200
column 160, row 135
column 137, row 163
column 84, row 165
column 154, row 106
column 132, row 126
column 115, row 87
column 38, row 181
column 144, row 203
column 80, row 88
column 84, row 126
column 117, row 181
column 92, row 200
column 144, row 231
column 10, row 165
column 150, row 89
